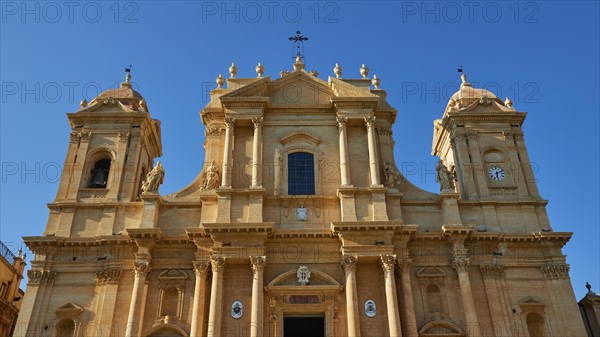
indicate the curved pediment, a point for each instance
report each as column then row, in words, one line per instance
column 441, row 328
column 317, row 278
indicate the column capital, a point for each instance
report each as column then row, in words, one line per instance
column 349, row 262
column 388, row 262
column 217, row 263
column 107, row 277
column 257, row 121
column 491, row 270
column 258, row 263
column 141, row 268
column 556, row 270
column 229, row 122
column 341, row 121
column 370, row 121
column 460, row 264
column 404, row 264
column 200, row 268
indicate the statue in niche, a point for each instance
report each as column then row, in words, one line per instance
column 444, row 177
column 211, row 181
column 154, row 179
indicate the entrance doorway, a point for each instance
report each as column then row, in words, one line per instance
column 304, row 326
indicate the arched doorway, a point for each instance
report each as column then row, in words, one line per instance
column 167, row 331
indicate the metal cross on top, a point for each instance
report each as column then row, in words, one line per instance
column 298, row 45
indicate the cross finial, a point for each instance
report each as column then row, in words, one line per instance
column 298, row 44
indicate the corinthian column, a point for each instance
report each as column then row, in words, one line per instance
column 258, row 266
column 373, row 165
column 388, row 262
column 343, row 141
column 408, row 305
column 461, row 265
column 140, row 270
column 257, row 152
column 349, row 264
column 227, row 155
column 216, row 293
column 200, row 269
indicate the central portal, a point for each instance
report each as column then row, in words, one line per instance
column 303, row 326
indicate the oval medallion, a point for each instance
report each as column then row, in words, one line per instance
column 237, row 309
column 370, row 308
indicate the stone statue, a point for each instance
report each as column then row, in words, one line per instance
column 211, row 181
column 390, row 175
column 393, row 179
column 444, row 177
column 154, row 179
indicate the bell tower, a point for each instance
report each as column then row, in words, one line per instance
column 480, row 139
column 111, row 149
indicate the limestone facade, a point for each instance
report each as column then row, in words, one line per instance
column 299, row 215
column 11, row 296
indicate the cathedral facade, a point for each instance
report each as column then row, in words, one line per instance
column 300, row 223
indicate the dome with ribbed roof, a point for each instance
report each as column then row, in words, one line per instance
column 124, row 94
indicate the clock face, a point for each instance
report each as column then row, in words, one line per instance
column 496, row 173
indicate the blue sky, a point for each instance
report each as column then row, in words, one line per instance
column 543, row 55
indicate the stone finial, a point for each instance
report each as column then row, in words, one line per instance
column 260, row 70
column 299, row 64
column 19, row 253
column 83, row 104
column 220, row 81
column 232, row 70
column 376, row 82
column 463, row 78
column 337, row 70
column 127, row 82
column 508, row 102
column 364, row 71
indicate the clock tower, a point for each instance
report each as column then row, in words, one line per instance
column 480, row 139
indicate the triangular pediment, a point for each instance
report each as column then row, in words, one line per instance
column 258, row 88
column 69, row 310
column 300, row 88
column 343, row 89
column 430, row 272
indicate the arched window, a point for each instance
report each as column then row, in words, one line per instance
column 99, row 176
column 536, row 325
column 301, row 173
column 434, row 299
column 65, row 328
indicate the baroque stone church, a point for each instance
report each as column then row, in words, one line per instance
column 299, row 223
